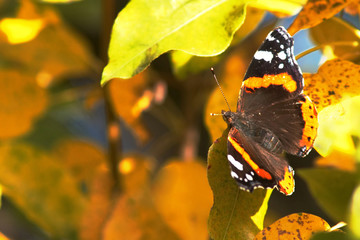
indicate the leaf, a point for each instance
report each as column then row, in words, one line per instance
column 236, row 214
column 331, row 188
column 42, row 188
column 80, row 158
column 134, row 215
column 185, row 64
column 3, row 237
column 99, row 206
column 45, row 62
column 25, row 27
column 345, row 45
column 183, row 198
column 354, row 217
column 16, row 89
column 294, row 226
column 60, row 1
column 315, row 12
column 332, row 236
column 162, row 26
column 280, row 7
column 334, row 80
column 126, row 97
column 338, row 125
column 347, row 162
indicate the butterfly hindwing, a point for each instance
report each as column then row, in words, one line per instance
column 252, row 166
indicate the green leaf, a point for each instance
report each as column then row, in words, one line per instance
column 331, row 235
column 185, row 64
column 332, row 188
column 354, row 221
column 143, row 30
column 42, row 188
column 236, row 214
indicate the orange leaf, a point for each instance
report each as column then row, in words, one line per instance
column 334, row 80
column 345, row 45
column 294, row 226
column 99, row 205
column 337, row 159
column 130, row 98
column 17, row 90
column 316, row 11
column 39, row 54
column 183, row 198
column 134, row 216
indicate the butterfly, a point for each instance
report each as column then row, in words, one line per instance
column 273, row 116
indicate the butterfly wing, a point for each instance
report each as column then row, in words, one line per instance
column 271, row 94
column 252, row 166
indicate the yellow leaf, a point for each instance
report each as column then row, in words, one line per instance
column 315, row 12
column 334, row 80
column 337, row 126
column 183, row 198
column 294, row 226
column 17, row 90
column 280, row 7
column 19, row 30
column 3, row 237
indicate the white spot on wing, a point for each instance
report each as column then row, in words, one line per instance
column 281, row 66
column 282, row 46
column 235, row 163
column 234, row 175
column 248, row 176
column 264, row 55
column 282, row 55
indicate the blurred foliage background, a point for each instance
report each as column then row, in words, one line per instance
column 94, row 144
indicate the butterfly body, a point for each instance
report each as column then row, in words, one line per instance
column 272, row 116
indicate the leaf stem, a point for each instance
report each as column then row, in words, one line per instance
column 333, row 44
column 113, row 128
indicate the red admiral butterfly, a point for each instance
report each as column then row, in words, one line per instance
column 272, row 116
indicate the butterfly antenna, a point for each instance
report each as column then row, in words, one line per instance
column 217, row 82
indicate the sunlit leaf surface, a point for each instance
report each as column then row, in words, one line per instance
column 294, row 226
column 316, row 11
column 183, row 198
column 168, row 26
column 229, row 219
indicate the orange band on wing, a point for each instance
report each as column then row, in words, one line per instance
column 287, row 185
column 311, row 123
column 261, row 172
column 283, row 79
